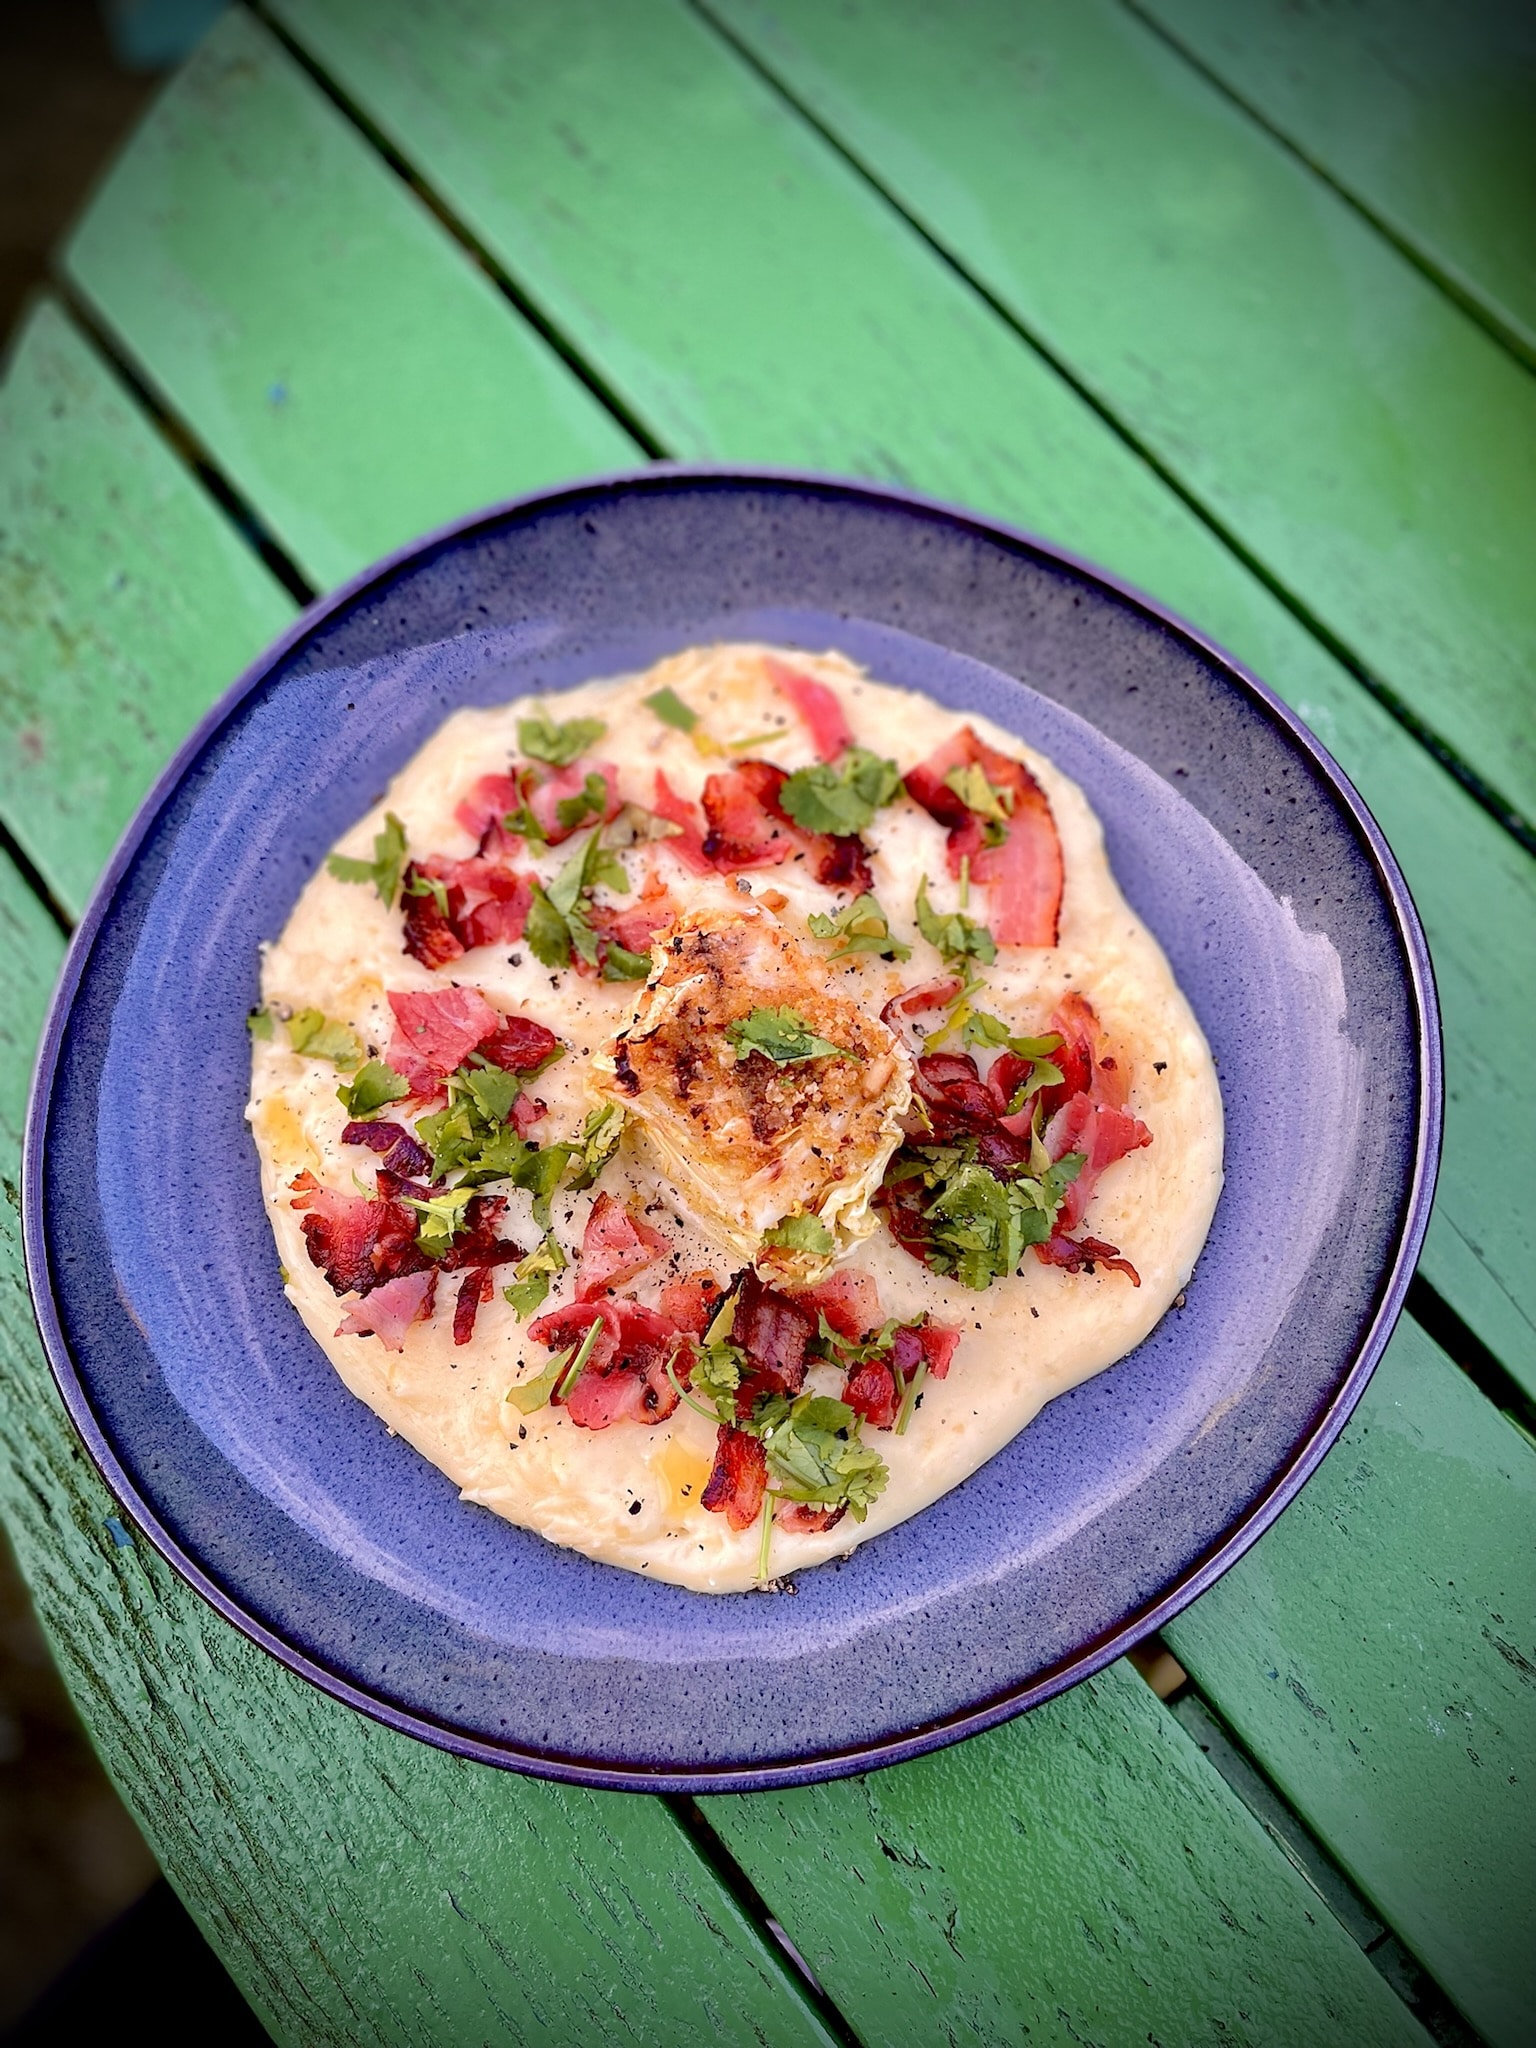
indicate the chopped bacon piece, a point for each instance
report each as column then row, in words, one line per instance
column 871, row 1391
column 625, row 1379
column 1080, row 1255
column 519, row 1044
column 500, row 918
column 476, row 1242
column 388, row 1312
column 401, row 1153
column 800, row 1517
column 817, row 706
column 958, row 1103
column 527, row 1111
column 431, row 934
column 560, row 785
column 749, row 828
column 435, row 1031
column 483, row 810
column 357, row 1243
column 690, row 1304
column 1025, row 872
column 931, row 1344
column 634, row 928
column 774, row 1330
column 849, row 1301
column 475, row 1288
column 688, row 843
column 1102, row 1135
column 615, row 1246
column 739, row 1479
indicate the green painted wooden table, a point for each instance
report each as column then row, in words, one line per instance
column 1239, row 302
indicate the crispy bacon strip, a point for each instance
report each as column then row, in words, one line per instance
column 739, row 1479
column 358, row 1244
column 849, row 1301
column 690, row 1304
column 871, row 1391
column 1080, row 1255
column 1025, row 872
column 476, row 1287
column 401, row 1152
column 688, row 843
column 749, row 828
column 818, row 706
column 626, row 1378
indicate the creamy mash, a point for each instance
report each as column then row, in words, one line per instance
column 669, row 1050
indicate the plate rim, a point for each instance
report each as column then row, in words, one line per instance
column 1084, row 1662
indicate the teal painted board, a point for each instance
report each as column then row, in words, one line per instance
column 1081, row 1875
column 1376, row 1651
column 1346, row 422
column 1423, row 110
column 350, row 370
column 752, row 300
column 126, row 603
column 361, row 1887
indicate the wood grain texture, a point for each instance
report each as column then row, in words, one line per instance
column 348, row 367
column 124, row 606
column 1377, row 1653
column 752, row 300
column 1420, row 109
column 1353, row 429
column 361, row 1887
column 1052, row 1881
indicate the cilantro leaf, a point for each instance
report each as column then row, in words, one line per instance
column 784, row 1037
column 590, row 801
column 671, row 710
column 383, row 871
column 985, row 798
column 442, row 1217
column 801, row 1233
column 843, row 799
column 535, row 1393
column 493, row 1089
column 371, row 1088
column 541, row 739
column 862, row 928
column 259, row 1021
column 981, row 1223
column 594, row 1148
column 814, row 1455
column 956, row 936
column 318, row 1037
column 547, row 933
column 532, row 1276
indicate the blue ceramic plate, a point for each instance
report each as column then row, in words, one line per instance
column 229, row 1440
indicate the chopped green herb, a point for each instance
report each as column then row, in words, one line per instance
column 442, row 1217
column 814, row 1454
column 909, row 1396
column 985, row 798
column 619, row 964
column 671, row 710
column 428, row 885
column 842, row 799
column 259, row 1021
column 784, row 1037
column 956, row 936
column 383, row 871
column 546, row 931
column 541, row 739
column 493, row 1090
column 590, row 801
column 532, row 1276
column 801, row 1233
column 370, row 1089
column 862, row 928
column 558, row 924
column 535, row 1393
column 982, row 1224
column 315, row 1035
column 594, row 1148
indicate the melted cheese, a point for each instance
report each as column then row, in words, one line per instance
column 629, row 1495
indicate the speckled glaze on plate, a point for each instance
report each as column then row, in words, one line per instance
column 230, row 1441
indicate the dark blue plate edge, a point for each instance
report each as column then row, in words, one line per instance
column 1084, row 1663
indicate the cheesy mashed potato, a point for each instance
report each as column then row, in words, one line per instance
column 599, row 1041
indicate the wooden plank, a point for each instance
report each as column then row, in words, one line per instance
column 1080, row 1875
column 352, row 372
column 1420, row 109
column 1377, row 1652
column 125, row 605
column 1354, row 430
column 751, row 300
column 361, row 1887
